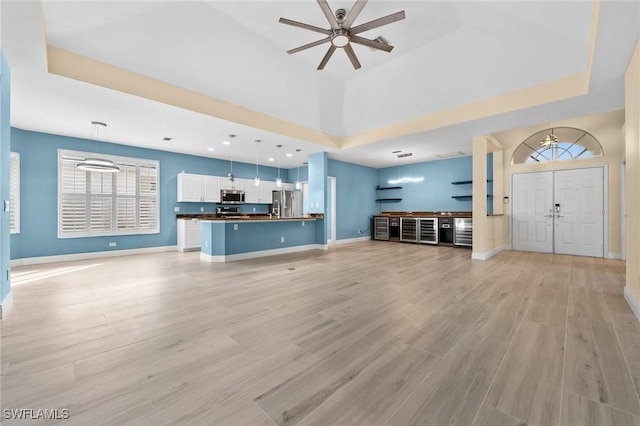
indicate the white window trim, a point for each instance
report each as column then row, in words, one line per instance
column 113, row 232
column 14, row 191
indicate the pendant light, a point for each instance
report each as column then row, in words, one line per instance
column 549, row 139
column 231, row 176
column 298, row 184
column 278, row 180
column 256, row 180
column 98, row 164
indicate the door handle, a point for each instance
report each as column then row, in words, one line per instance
column 548, row 216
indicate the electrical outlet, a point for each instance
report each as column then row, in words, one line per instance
column 303, row 223
column 254, row 209
column 113, row 244
column 282, row 239
column 235, row 226
column 176, row 209
column 206, row 244
column 201, row 209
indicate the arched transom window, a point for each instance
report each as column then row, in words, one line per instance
column 556, row 144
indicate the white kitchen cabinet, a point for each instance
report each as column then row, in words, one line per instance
column 287, row 186
column 210, row 187
column 251, row 192
column 266, row 192
column 198, row 188
column 189, row 235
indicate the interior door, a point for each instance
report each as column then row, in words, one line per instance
column 532, row 212
column 579, row 212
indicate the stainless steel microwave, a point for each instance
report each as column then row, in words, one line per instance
column 231, row 196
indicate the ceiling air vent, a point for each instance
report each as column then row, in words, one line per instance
column 406, row 154
column 451, row 154
column 380, row 39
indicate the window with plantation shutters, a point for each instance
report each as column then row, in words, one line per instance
column 14, row 193
column 100, row 204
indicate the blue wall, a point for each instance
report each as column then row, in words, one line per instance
column 434, row 192
column 5, row 135
column 355, row 198
column 355, row 192
column 39, row 189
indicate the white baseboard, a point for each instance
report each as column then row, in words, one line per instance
column 490, row 254
column 6, row 305
column 615, row 256
column 90, row 255
column 261, row 253
column 632, row 301
column 353, row 240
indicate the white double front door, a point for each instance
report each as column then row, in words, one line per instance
column 559, row 212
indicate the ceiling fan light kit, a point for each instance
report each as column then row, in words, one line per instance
column 342, row 34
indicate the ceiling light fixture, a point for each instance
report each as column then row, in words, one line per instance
column 256, row 180
column 166, row 138
column 211, row 149
column 549, row 139
column 98, row 164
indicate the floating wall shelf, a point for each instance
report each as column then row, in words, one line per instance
column 388, row 200
column 384, row 188
column 467, row 197
column 465, row 182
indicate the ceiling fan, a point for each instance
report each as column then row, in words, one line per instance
column 342, row 33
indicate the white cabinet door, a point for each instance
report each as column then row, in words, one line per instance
column 188, row 187
column 287, row 186
column 210, row 189
column 251, row 192
column 266, row 192
column 193, row 236
column 188, row 234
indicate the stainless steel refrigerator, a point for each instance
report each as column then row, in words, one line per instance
column 287, row 203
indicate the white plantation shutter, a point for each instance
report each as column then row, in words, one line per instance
column 93, row 203
column 148, row 207
column 73, row 197
column 14, row 193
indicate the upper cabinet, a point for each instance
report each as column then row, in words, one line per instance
column 206, row 189
column 198, row 188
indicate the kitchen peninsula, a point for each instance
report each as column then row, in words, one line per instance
column 247, row 237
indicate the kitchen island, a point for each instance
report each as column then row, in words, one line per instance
column 228, row 239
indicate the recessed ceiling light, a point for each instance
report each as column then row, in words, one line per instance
column 226, row 143
column 166, row 138
column 396, row 152
column 271, row 159
column 406, row 154
column 211, row 149
column 288, row 154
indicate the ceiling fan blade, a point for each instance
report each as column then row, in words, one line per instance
column 328, row 13
column 378, row 22
column 352, row 56
column 353, row 13
column 307, row 46
column 371, row 43
column 327, row 57
column 305, row 26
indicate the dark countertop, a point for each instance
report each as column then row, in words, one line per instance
column 242, row 216
column 427, row 214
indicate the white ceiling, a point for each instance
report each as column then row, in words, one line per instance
column 447, row 54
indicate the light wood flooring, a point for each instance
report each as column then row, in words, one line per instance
column 370, row 333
